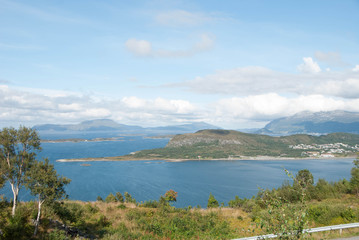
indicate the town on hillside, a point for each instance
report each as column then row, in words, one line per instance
column 325, row 150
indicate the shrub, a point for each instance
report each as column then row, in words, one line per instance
column 212, row 202
column 150, row 204
column 122, row 206
column 236, row 203
column 119, row 197
column 128, row 198
column 17, row 227
column 171, row 196
column 57, row 235
column 110, row 198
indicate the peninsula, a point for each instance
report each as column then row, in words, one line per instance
column 230, row 145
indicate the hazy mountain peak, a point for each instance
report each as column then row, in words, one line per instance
column 314, row 123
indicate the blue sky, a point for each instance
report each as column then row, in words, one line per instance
column 234, row 64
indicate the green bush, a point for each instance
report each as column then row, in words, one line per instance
column 71, row 213
column 150, row 204
column 212, row 202
column 91, row 209
column 129, row 198
column 18, row 227
column 348, row 214
column 57, row 235
column 236, row 203
column 119, row 197
column 110, row 198
column 122, row 206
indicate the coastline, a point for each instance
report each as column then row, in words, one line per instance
column 244, row 158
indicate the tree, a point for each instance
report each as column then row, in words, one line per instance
column 17, row 154
column 212, row 202
column 171, row 196
column 119, row 197
column 129, row 198
column 354, row 180
column 110, row 198
column 44, row 182
column 2, row 181
column 304, row 178
column 285, row 219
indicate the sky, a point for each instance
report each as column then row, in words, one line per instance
column 234, row 64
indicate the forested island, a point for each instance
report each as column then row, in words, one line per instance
column 219, row 144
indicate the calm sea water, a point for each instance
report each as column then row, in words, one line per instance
column 193, row 180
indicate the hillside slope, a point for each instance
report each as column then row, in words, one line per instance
column 214, row 144
column 314, row 123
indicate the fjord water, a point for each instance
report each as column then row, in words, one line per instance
column 193, row 180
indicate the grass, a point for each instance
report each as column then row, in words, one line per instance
column 130, row 221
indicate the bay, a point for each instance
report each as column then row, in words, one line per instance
column 193, row 180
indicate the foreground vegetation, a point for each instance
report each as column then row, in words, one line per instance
column 298, row 204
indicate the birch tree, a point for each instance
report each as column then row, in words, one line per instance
column 17, row 154
column 44, row 182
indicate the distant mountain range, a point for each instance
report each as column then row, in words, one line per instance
column 317, row 123
column 107, row 125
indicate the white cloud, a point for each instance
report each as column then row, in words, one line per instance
column 158, row 105
column 238, row 81
column 143, row 48
column 255, row 80
column 309, row 66
column 333, row 59
column 139, row 47
column 30, row 107
column 271, row 105
column 348, row 88
column 206, row 43
column 356, row 68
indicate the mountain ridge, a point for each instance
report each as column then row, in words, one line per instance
column 110, row 125
column 315, row 123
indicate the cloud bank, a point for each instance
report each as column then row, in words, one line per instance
column 143, row 48
column 255, row 80
column 241, row 97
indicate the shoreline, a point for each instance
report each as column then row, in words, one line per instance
column 244, row 158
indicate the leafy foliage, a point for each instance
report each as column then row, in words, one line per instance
column 212, row 202
column 119, row 197
column 283, row 218
column 354, row 180
column 171, row 196
column 110, row 198
column 17, row 155
column 129, row 198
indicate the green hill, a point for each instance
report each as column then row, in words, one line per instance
column 219, row 144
